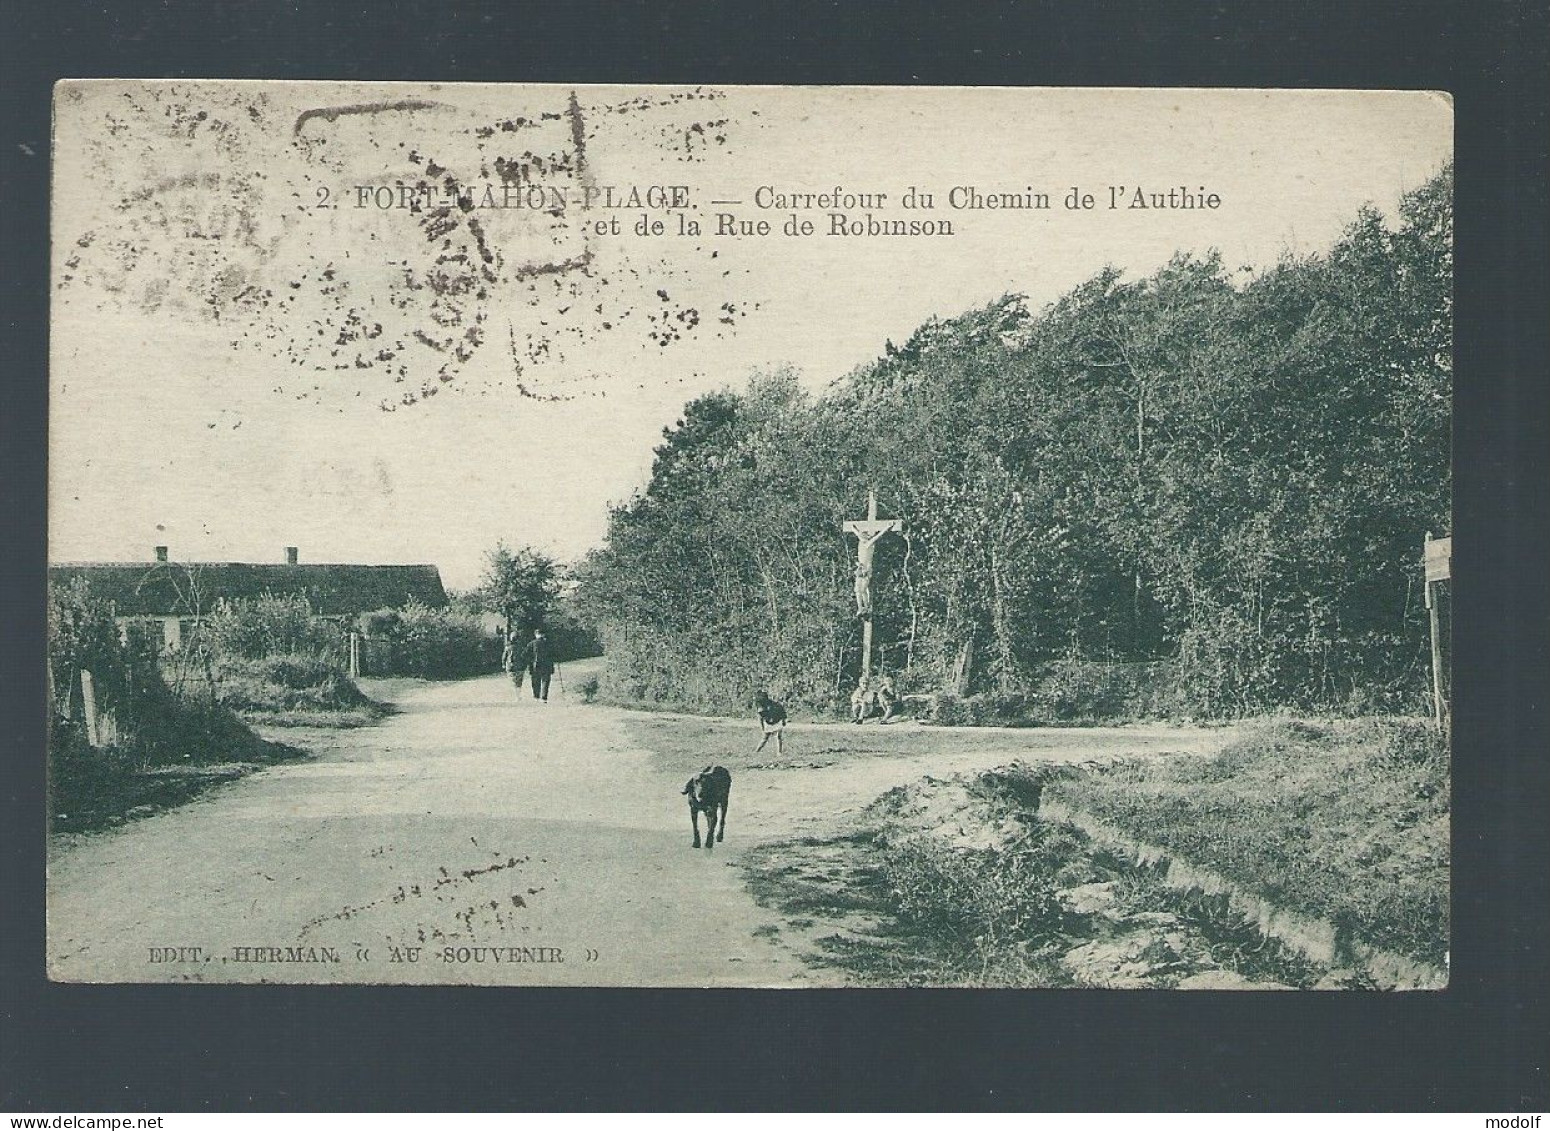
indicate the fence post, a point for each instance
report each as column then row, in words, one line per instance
column 1436, row 623
column 355, row 655
column 1436, row 570
column 89, row 705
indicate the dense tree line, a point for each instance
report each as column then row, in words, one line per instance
column 1225, row 476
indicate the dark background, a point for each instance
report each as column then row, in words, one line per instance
column 1483, row 1046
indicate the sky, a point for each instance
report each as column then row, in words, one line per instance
column 244, row 359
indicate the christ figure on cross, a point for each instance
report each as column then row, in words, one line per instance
column 866, row 544
column 867, row 533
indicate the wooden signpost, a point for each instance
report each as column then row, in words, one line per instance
column 867, row 532
column 1437, row 554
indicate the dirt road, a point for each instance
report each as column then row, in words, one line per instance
column 480, row 837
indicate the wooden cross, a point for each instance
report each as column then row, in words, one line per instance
column 867, row 532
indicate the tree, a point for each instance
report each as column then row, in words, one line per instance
column 521, row 585
column 1226, row 475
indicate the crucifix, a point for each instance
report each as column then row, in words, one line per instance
column 867, row 532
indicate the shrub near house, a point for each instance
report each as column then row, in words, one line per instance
column 309, row 688
column 256, row 628
column 270, row 656
column 428, row 643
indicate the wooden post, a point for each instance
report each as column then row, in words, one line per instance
column 1431, row 606
column 89, row 706
column 355, row 655
column 866, row 625
column 866, row 648
column 1437, row 557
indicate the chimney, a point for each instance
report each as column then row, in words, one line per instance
column 290, row 555
column 161, row 553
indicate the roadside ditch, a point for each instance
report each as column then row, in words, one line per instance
column 982, row 880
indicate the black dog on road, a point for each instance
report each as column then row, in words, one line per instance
column 708, row 792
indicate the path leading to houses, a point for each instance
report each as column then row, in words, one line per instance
column 477, row 836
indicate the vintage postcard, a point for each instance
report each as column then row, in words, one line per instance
column 749, row 536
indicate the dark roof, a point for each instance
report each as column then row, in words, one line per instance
column 181, row 588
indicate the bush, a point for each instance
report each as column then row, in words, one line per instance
column 427, row 643
column 178, row 729
column 1076, row 690
column 987, row 709
column 83, row 636
column 1259, row 516
column 294, row 671
column 569, row 637
column 271, row 655
column 1066, row 692
column 717, row 672
column 252, row 628
column 983, row 898
column 278, row 684
column 155, row 724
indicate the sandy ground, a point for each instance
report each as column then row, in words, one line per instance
column 480, row 837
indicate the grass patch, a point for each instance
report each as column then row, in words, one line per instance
column 988, row 916
column 892, row 907
column 1346, row 821
column 961, row 882
column 333, row 718
column 837, row 896
column 92, row 798
column 191, row 748
column 295, row 690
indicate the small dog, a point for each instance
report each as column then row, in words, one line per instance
column 708, row 792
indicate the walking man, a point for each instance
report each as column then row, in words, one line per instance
column 772, row 720
column 539, row 660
